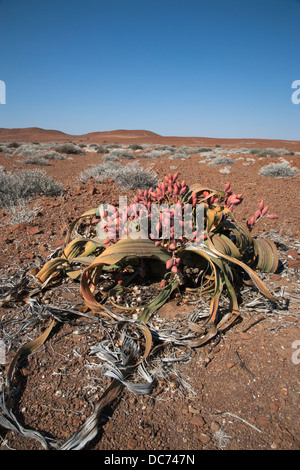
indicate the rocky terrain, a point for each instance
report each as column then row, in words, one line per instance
column 238, row 392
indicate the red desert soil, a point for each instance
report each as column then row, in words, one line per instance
column 239, row 392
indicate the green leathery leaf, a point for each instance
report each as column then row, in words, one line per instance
column 159, row 301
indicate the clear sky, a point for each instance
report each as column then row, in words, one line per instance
column 207, row 68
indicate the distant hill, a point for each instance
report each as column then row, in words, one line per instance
column 125, row 136
column 36, row 133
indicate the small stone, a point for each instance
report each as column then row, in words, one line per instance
column 58, row 243
column 274, row 406
column 275, row 277
column 132, row 443
column 34, row 230
column 194, row 411
column 294, row 263
column 204, row 438
column 19, row 228
column 214, row 426
column 293, row 253
column 263, row 421
column 284, row 392
column 276, row 444
column 197, row 421
column 244, row 335
column 30, row 255
column 290, row 318
column 229, row 365
column 93, row 190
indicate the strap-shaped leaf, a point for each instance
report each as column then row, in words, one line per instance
column 159, row 301
column 82, row 247
column 124, row 248
column 205, row 253
column 50, row 268
column 255, row 278
column 27, row 349
column 225, row 245
column 88, row 213
column 267, row 256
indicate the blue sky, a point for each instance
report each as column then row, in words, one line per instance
column 211, row 68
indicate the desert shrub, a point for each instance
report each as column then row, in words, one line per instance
column 26, row 184
column 26, row 150
column 47, row 145
column 135, row 147
column 8, row 152
column 268, row 152
column 130, row 176
column 168, row 148
column 21, row 213
column 37, row 160
column 53, row 155
column 13, row 145
column 188, row 150
column 205, row 149
column 133, row 176
column 221, row 161
column 110, row 158
column 99, row 172
column 225, row 170
column 255, row 151
column 279, row 170
column 101, row 149
column 121, row 153
column 181, row 155
column 69, row 149
column 112, row 146
column 152, row 154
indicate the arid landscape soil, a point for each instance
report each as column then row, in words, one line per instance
column 240, row 391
